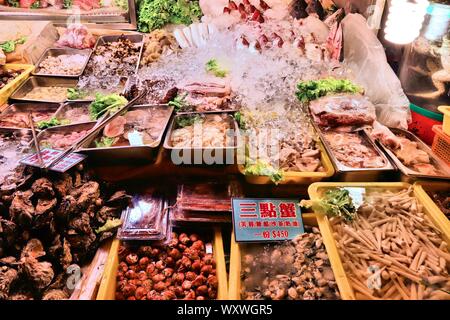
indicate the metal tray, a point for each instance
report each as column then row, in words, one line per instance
column 135, row 38
column 345, row 173
column 60, row 113
column 55, row 52
column 34, row 82
column 123, row 82
column 66, row 129
column 408, row 175
column 122, row 154
column 190, row 152
column 27, row 107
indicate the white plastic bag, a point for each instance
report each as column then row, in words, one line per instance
column 365, row 56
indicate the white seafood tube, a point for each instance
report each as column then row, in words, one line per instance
column 405, row 20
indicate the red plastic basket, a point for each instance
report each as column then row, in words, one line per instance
column 441, row 144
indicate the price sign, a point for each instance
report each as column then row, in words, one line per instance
column 263, row 220
column 50, row 155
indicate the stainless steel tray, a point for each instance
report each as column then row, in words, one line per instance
column 34, row 82
column 60, row 113
column 123, row 81
column 55, row 52
column 123, row 154
column 345, row 173
column 190, row 152
column 27, row 107
column 135, row 38
column 408, row 175
column 65, row 129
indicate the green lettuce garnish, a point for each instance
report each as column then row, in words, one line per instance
column 335, row 202
column 212, row 66
column 263, row 168
column 314, row 89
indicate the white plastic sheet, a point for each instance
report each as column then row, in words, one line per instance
column 365, row 56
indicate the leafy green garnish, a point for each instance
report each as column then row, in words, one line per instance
column 35, row 5
column 106, row 104
column 179, row 102
column 262, row 168
column 239, row 117
column 314, row 89
column 335, row 202
column 186, row 121
column 123, row 4
column 104, row 142
column 212, row 66
column 76, row 94
column 13, row 3
column 110, row 224
column 53, row 122
column 155, row 14
column 10, row 46
column 67, row 4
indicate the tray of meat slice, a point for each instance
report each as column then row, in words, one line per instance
column 355, row 156
column 413, row 157
column 16, row 116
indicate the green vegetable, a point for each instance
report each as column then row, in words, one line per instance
column 212, row 66
column 110, row 224
column 104, row 142
column 186, row 121
column 262, row 168
column 240, row 120
column 67, row 4
column 44, row 124
column 10, row 46
column 13, row 3
column 179, row 102
column 106, row 104
column 75, row 94
column 314, row 89
column 154, row 14
column 335, row 203
column 123, row 4
column 35, row 5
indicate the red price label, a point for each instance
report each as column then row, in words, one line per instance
column 280, row 234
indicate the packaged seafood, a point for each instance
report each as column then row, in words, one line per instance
column 390, row 247
column 412, row 157
column 44, row 89
column 291, row 270
column 62, row 62
column 180, row 217
column 146, row 218
column 17, row 115
column 64, row 137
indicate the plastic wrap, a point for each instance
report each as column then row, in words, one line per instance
column 146, row 218
column 365, row 56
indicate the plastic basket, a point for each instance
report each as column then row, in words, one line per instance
column 441, row 144
column 446, row 124
column 422, row 120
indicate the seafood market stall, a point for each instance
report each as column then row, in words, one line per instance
column 254, row 150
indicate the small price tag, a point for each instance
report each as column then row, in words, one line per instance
column 135, row 138
column 264, row 220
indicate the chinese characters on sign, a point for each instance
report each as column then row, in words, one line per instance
column 266, row 219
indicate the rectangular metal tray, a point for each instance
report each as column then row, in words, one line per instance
column 34, row 82
column 66, row 129
column 55, row 52
column 189, row 152
column 408, row 175
column 27, row 107
column 123, row 82
column 123, row 154
column 70, row 105
column 345, row 173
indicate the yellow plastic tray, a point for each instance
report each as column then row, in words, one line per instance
column 7, row 90
column 291, row 177
column 420, row 190
column 107, row 287
column 234, row 287
column 343, row 283
column 446, row 124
